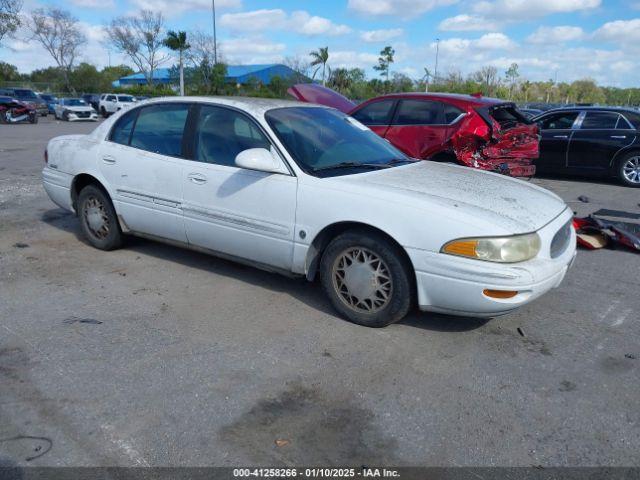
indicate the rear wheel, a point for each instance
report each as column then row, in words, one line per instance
column 98, row 219
column 104, row 113
column 629, row 169
column 366, row 278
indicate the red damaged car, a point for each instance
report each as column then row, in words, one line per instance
column 475, row 131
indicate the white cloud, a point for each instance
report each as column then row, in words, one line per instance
column 374, row 36
column 555, row 35
column 252, row 50
column 171, row 8
column 527, row 9
column 351, row 59
column 622, row 32
column 401, row 8
column 277, row 19
column 462, row 47
column 465, row 22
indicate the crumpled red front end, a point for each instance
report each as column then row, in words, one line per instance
column 510, row 151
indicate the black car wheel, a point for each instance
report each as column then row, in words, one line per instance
column 629, row 169
column 367, row 279
column 98, row 218
column 104, row 112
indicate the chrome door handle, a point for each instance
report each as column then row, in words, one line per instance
column 619, row 136
column 108, row 159
column 561, row 136
column 197, row 178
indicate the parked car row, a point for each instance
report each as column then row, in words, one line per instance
column 28, row 97
column 312, row 192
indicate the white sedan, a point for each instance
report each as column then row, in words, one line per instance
column 309, row 191
column 74, row 109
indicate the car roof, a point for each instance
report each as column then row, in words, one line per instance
column 593, row 108
column 256, row 106
column 456, row 97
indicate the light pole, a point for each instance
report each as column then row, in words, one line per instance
column 215, row 42
column 435, row 72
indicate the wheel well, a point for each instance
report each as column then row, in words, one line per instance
column 320, row 242
column 81, row 181
column 614, row 161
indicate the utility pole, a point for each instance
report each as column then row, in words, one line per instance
column 435, row 72
column 215, row 42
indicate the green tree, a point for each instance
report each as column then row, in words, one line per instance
column 320, row 58
column 85, row 78
column 384, row 62
column 177, row 41
column 9, row 17
column 8, row 72
column 512, row 74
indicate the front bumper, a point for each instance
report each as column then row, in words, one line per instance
column 73, row 117
column 455, row 285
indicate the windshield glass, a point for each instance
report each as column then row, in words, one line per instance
column 322, row 139
column 125, row 98
column 74, row 102
column 25, row 94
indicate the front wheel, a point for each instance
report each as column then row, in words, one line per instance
column 629, row 170
column 367, row 278
column 98, row 219
column 104, row 113
column 33, row 118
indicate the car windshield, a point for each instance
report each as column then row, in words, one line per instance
column 324, row 140
column 125, row 98
column 74, row 102
column 25, row 94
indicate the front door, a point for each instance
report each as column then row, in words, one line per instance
column 600, row 136
column 243, row 213
column 556, row 131
column 143, row 166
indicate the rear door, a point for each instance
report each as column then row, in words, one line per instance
column 556, row 130
column 418, row 127
column 376, row 114
column 143, row 163
column 600, row 136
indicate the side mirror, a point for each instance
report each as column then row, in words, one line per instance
column 260, row 159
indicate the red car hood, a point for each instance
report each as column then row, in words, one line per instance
column 312, row 93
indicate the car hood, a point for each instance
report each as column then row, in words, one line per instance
column 494, row 203
column 83, row 108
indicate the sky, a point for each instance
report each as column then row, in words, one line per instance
column 563, row 40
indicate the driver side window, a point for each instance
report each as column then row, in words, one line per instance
column 223, row 133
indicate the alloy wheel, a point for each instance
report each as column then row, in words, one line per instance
column 362, row 280
column 96, row 217
column 631, row 170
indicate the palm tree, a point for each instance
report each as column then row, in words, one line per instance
column 427, row 75
column 177, row 41
column 320, row 57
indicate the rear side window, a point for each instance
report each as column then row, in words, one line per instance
column 507, row 117
column 600, row 121
column 121, row 132
column 223, row 133
column 419, row 112
column 451, row 113
column 558, row 121
column 632, row 117
column 159, row 129
column 375, row 113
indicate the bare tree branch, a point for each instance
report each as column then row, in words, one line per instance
column 9, row 17
column 141, row 39
column 60, row 35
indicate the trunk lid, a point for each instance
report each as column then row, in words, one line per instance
column 313, row 93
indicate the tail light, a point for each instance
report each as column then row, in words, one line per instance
column 46, row 156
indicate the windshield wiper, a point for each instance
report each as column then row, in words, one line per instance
column 352, row 165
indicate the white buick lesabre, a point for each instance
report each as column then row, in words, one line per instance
column 309, row 191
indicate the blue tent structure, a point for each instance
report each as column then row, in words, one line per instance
column 237, row 74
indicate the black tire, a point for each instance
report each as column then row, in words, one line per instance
column 361, row 246
column 623, row 169
column 33, row 119
column 104, row 112
column 92, row 201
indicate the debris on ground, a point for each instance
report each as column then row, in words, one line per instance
column 583, row 199
column 594, row 233
column 21, row 245
column 280, row 442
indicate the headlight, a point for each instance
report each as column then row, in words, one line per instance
column 514, row 249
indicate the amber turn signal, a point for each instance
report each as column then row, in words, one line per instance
column 500, row 293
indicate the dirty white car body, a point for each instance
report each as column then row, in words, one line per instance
column 283, row 219
column 111, row 103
